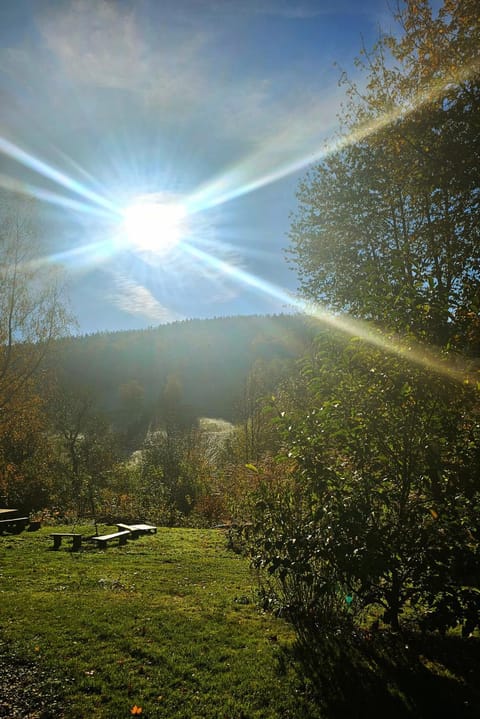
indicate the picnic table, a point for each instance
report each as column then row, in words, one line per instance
column 125, row 531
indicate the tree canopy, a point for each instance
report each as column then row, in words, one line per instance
column 380, row 506
column 387, row 225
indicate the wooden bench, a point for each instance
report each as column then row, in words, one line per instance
column 105, row 538
column 137, row 529
column 76, row 539
column 14, row 525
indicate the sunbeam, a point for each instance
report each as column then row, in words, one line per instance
column 52, row 198
column 87, row 255
column 229, row 185
column 241, row 276
column 412, row 352
column 42, row 168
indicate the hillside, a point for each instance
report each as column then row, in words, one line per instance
column 207, row 360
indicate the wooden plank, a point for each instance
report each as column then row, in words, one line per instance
column 121, row 536
column 7, row 512
column 14, row 526
column 139, row 528
column 132, row 529
column 146, row 528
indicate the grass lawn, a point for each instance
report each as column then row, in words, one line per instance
column 167, row 626
column 167, row 623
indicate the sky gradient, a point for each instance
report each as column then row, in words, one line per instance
column 219, row 105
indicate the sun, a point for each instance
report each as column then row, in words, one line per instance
column 154, row 225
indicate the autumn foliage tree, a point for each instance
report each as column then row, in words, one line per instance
column 385, row 493
column 32, row 316
column 387, row 225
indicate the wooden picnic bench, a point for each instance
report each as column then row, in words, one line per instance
column 105, row 538
column 76, row 539
column 14, row 525
column 137, row 529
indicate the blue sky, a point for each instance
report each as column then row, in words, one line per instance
column 215, row 106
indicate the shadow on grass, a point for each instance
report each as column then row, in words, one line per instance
column 27, row 689
column 391, row 675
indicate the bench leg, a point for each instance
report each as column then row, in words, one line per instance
column 57, row 542
column 76, row 543
column 123, row 540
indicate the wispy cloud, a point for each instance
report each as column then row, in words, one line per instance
column 177, row 70
column 135, row 299
column 104, row 45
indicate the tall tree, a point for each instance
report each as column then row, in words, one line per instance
column 86, row 448
column 32, row 313
column 387, row 227
column 384, row 498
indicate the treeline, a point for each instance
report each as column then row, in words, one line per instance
column 208, row 359
column 116, row 424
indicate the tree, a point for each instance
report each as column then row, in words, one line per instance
column 167, row 474
column 86, row 451
column 133, row 418
column 26, row 456
column 387, row 227
column 32, row 313
column 254, row 435
column 385, row 493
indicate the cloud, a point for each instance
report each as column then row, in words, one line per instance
column 103, row 45
column 176, row 68
column 135, row 299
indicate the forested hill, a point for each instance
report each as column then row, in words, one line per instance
column 208, row 361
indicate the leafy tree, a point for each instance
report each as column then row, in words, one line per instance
column 86, row 452
column 387, row 226
column 382, row 505
column 132, row 415
column 255, row 433
column 384, row 496
column 32, row 316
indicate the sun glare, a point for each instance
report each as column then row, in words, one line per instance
column 154, row 226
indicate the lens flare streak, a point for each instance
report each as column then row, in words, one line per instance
column 246, row 278
column 42, row 168
column 227, row 187
column 416, row 354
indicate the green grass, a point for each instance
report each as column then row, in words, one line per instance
column 167, row 623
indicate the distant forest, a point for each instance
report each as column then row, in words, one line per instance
column 206, row 361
